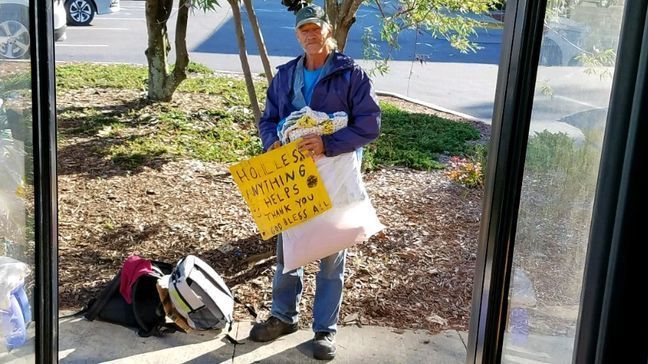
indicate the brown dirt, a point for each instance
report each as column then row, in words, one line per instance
column 417, row 274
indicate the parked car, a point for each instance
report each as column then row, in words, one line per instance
column 562, row 42
column 599, row 3
column 14, row 27
column 82, row 12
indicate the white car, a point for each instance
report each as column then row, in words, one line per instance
column 14, row 27
column 599, row 3
column 82, row 12
column 562, row 42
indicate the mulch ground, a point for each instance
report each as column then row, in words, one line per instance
column 418, row 273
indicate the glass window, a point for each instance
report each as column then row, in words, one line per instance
column 568, row 121
column 16, row 185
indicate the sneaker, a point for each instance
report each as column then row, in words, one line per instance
column 271, row 329
column 324, row 345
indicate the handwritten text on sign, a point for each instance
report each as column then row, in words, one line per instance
column 282, row 188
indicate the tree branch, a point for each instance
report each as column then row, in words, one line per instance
column 380, row 8
column 182, row 56
column 353, row 9
column 332, row 9
column 346, row 5
column 165, row 14
column 263, row 53
column 240, row 37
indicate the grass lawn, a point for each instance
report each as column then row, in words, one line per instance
column 214, row 122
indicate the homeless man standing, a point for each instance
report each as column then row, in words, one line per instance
column 326, row 81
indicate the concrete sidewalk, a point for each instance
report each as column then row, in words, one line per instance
column 82, row 341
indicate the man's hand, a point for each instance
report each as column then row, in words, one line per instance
column 312, row 145
column 274, row 145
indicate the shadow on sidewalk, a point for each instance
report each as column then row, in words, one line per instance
column 82, row 341
column 272, row 352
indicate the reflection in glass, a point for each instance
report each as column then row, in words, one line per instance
column 16, row 194
column 570, row 108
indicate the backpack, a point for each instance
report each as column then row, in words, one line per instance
column 200, row 295
column 145, row 313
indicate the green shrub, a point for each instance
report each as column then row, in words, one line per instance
column 559, row 185
column 416, row 140
column 465, row 172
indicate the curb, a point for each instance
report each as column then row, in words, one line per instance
column 431, row 106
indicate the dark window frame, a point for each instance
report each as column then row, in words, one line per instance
column 41, row 32
column 611, row 311
column 615, row 265
column 614, row 255
column 523, row 29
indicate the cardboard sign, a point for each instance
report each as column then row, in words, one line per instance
column 282, row 188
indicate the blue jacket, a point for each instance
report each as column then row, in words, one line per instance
column 345, row 88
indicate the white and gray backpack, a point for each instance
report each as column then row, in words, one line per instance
column 200, row 295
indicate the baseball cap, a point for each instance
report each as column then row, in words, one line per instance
column 311, row 14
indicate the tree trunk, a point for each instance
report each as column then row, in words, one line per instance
column 341, row 36
column 240, row 37
column 161, row 83
column 332, row 8
column 342, row 16
column 157, row 12
column 263, row 53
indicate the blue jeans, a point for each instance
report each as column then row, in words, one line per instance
column 329, row 282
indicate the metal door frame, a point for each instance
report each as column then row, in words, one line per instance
column 615, row 266
column 41, row 32
column 614, row 255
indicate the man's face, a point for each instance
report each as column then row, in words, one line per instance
column 312, row 38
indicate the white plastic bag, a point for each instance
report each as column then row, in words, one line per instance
column 351, row 220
